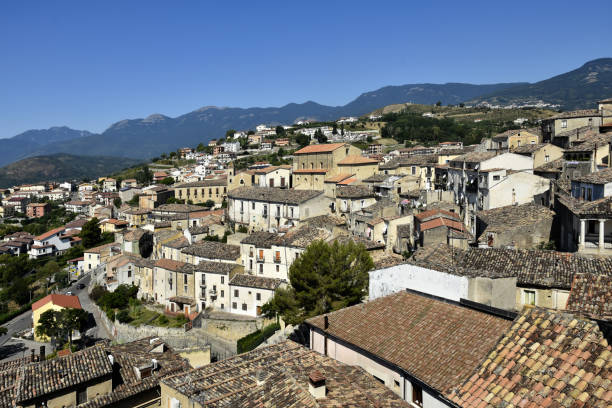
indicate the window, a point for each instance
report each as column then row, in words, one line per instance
column 260, row 268
column 546, row 158
column 185, row 280
column 396, row 385
column 250, row 264
column 244, row 306
column 529, row 297
column 222, row 279
column 417, row 395
column 564, row 124
column 234, row 305
column 252, row 205
column 222, row 306
column 589, row 196
column 129, row 273
column 222, row 293
column 533, row 142
column 277, row 268
column 81, row 396
column 236, row 293
column 185, row 288
column 258, row 296
column 582, row 193
column 518, row 143
column 496, row 178
column 413, row 170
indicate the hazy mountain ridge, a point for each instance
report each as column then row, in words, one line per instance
column 577, row 89
column 60, row 167
column 157, row 133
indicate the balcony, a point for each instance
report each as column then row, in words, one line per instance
column 277, row 260
column 261, row 259
column 213, row 292
column 203, row 285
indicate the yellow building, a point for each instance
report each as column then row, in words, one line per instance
column 202, row 191
column 313, row 164
column 52, row 302
column 359, row 166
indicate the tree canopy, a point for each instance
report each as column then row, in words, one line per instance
column 326, row 277
column 91, row 234
column 59, row 324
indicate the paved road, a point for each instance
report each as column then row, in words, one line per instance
column 11, row 347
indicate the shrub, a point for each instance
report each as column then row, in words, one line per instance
column 252, row 340
column 124, row 316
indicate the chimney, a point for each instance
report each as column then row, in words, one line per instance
column 316, row 384
column 42, row 353
column 325, row 322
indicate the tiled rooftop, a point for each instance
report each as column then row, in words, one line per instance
column 591, row 295
column 513, row 216
column 283, row 372
column 597, row 177
column 223, row 268
column 528, row 149
column 320, row 148
column 37, row 379
column 583, row 208
column 216, row 182
column 213, row 250
column 354, row 192
column 437, row 342
column 414, row 160
column 532, row 267
column 546, row 359
column 253, row 281
column 175, row 266
column 276, row 195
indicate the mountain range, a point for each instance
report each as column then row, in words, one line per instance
column 60, row 167
column 148, row 137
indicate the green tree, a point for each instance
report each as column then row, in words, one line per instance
column 230, row 133
column 439, row 103
column 48, row 325
column 91, row 234
column 167, row 181
column 342, row 129
column 144, row 175
column 302, row 139
column 324, row 278
column 3, row 330
column 117, row 202
column 200, row 147
column 280, row 131
column 321, row 138
column 335, row 129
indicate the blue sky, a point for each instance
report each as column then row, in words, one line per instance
column 88, row 64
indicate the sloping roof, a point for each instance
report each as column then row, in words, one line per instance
column 438, row 342
column 129, row 356
column 254, row 281
column 303, row 236
column 320, row 148
column 591, row 295
column 134, row 234
column 38, row 379
column 215, row 182
column 276, row 195
column 58, row 300
column 584, row 208
column 474, row 157
column 284, row 370
column 514, row 216
column 353, row 191
column 49, row 234
column 338, row 178
column 590, row 142
column 223, row 268
column 351, row 160
column 177, row 208
column 442, row 222
column 532, row 267
column 175, row 266
column 546, row 359
column 433, row 213
column 528, row 149
column 414, row 160
column 310, row 171
column 576, row 114
column 597, row 177
column 99, row 249
column 261, row 239
column 213, row 250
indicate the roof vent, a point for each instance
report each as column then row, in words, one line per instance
column 316, row 384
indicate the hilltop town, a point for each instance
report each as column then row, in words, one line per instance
column 369, row 261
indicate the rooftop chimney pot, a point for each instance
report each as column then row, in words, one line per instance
column 316, row 384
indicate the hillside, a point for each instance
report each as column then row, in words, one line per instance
column 26, row 143
column 146, row 138
column 59, row 167
column 580, row 88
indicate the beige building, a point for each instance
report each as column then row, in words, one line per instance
column 420, row 166
column 359, row 166
column 202, row 191
column 541, row 153
column 244, row 178
column 137, row 217
column 313, row 164
column 512, row 139
column 274, row 176
column 567, row 122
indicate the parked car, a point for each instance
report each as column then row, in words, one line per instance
column 81, row 286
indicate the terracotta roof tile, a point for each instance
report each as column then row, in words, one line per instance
column 438, row 342
column 546, row 359
column 591, row 295
column 350, row 160
column 59, row 300
column 320, row 148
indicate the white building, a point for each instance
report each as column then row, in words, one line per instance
column 231, row 147
column 249, row 293
column 212, row 285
